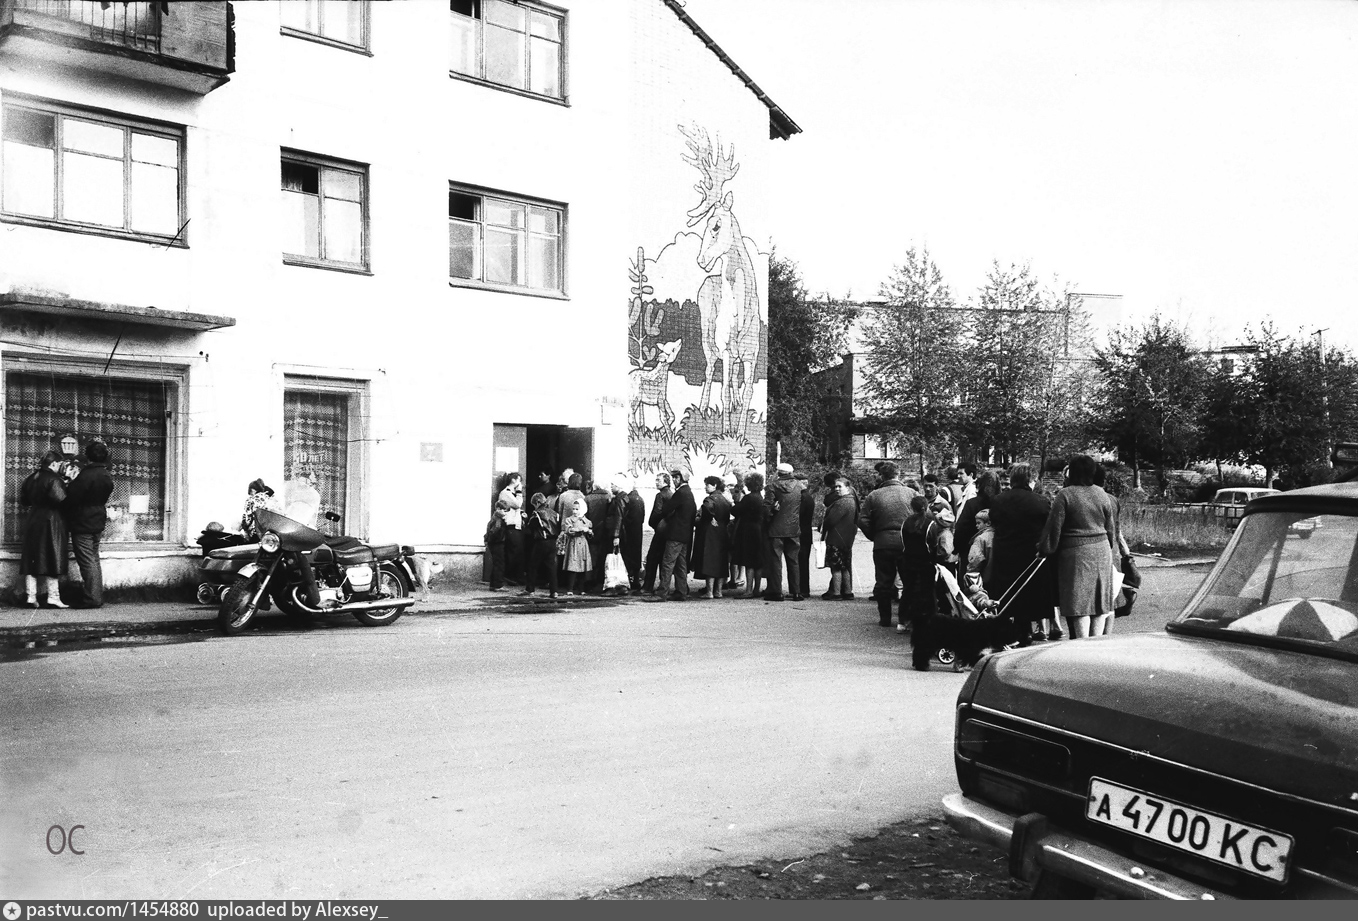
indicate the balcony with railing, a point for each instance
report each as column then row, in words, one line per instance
column 181, row 44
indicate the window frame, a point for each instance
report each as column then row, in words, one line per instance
column 562, row 292
column 563, row 69
column 175, row 378
column 365, row 28
column 106, row 118
column 349, row 166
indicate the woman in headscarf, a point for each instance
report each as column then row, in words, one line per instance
column 44, row 537
column 710, row 538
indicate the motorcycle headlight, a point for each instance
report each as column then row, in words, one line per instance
column 270, row 543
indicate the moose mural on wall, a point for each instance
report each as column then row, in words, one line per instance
column 728, row 298
column 697, row 329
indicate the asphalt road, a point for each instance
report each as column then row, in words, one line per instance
column 525, row 755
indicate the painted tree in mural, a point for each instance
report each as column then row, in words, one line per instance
column 728, row 298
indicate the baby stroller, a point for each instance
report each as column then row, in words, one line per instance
column 976, row 604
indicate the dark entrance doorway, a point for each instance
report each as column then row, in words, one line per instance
column 534, row 449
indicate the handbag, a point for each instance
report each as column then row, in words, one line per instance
column 819, row 554
column 615, row 572
column 1131, row 584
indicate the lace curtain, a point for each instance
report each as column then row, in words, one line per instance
column 129, row 416
column 316, row 445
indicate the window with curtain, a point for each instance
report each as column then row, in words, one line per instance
column 316, row 445
column 324, row 212
column 501, row 241
column 127, row 415
column 518, row 45
column 63, row 166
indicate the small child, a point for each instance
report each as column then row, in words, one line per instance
column 577, row 560
column 495, row 544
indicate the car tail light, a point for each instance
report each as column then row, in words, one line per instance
column 1014, row 752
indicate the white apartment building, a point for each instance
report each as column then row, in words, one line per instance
column 398, row 247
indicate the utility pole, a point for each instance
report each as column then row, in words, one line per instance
column 1324, row 388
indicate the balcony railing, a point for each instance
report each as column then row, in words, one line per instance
column 132, row 25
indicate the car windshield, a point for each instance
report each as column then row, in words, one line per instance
column 1286, row 576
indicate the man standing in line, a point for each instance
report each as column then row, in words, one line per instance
column 680, row 512
column 633, row 520
column 783, row 504
column 656, row 552
column 807, row 516
column 514, row 537
column 880, row 518
column 86, row 517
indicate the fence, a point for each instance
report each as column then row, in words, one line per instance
column 133, row 25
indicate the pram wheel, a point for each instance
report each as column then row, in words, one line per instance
column 945, row 656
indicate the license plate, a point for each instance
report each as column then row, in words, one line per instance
column 1256, row 851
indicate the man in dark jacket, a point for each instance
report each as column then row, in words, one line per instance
column 656, row 552
column 680, row 513
column 806, row 519
column 633, row 520
column 783, row 507
column 85, row 519
column 1018, row 516
column 880, row 518
column 600, row 546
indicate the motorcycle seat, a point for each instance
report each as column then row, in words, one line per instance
column 343, row 543
column 386, row 551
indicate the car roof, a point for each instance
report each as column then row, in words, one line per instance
column 1341, row 498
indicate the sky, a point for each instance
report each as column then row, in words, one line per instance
column 1197, row 157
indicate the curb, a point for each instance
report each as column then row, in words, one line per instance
column 52, row 634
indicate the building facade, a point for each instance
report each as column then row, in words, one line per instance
column 224, row 250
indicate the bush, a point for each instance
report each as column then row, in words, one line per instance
column 1151, row 527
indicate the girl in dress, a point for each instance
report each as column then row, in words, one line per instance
column 577, row 560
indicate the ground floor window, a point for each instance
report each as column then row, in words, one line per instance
column 323, row 441
column 131, row 416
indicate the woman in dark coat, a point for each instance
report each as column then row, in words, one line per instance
column 710, row 538
column 1019, row 516
column 44, row 544
column 747, row 547
column 838, row 529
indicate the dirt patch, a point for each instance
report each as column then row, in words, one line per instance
column 917, row 859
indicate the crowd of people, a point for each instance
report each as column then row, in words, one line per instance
column 65, row 513
column 979, row 546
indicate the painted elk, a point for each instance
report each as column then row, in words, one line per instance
column 728, row 298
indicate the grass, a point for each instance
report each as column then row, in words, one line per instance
column 1157, row 528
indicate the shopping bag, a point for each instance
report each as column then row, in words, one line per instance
column 818, row 554
column 615, row 572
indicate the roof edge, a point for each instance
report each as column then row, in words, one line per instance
column 781, row 125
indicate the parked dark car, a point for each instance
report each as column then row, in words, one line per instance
column 1216, row 760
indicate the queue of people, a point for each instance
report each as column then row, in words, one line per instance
column 66, row 512
column 1055, row 562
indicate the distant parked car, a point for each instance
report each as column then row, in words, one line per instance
column 1229, row 504
column 1216, row 760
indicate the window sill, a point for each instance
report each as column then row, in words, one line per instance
column 509, row 289
column 346, row 268
column 527, row 94
column 177, row 241
column 322, row 40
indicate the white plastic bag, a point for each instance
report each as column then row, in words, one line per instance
column 818, row 554
column 615, row 572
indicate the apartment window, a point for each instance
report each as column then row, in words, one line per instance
column 69, row 167
column 494, row 240
column 325, row 212
column 132, row 411
column 341, row 22
column 517, row 45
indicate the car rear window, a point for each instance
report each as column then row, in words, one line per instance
column 1286, row 576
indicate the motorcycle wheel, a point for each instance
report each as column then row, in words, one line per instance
column 237, row 610
column 390, row 581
